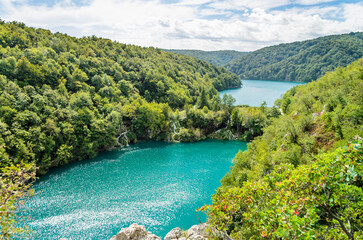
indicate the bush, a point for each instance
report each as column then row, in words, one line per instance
column 323, row 200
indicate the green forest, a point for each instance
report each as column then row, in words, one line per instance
column 303, row 61
column 303, row 178
column 65, row 99
column 218, row 58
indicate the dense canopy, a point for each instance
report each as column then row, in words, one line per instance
column 218, row 58
column 317, row 116
column 303, row 178
column 64, row 98
column 303, row 61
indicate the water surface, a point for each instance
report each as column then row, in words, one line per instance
column 254, row 92
column 155, row 184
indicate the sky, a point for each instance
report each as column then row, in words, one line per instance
column 242, row 25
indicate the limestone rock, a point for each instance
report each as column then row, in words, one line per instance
column 198, row 232
column 135, row 232
column 175, row 233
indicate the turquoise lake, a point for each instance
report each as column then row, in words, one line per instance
column 155, row 184
column 254, row 92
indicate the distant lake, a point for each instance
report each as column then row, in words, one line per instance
column 155, row 184
column 254, row 92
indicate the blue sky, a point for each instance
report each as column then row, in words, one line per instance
column 242, row 25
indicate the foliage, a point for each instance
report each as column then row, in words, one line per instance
column 323, row 200
column 15, row 188
column 303, row 61
column 318, row 116
column 218, row 58
column 64, row 99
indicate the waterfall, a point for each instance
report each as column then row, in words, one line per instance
column 174, row 127
column 126, row 139
column 124, row 134
column 230, row 135
column 117, row 140
column 173, row 130
column 169, row 137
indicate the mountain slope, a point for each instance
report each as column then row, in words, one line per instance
column 218, row 58
column 64, row 98
column 36, row 57
column 317, row 116
column 296, row 181
column 300, row 61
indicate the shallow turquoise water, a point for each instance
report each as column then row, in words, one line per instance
column 155, row 184
column 254, row 92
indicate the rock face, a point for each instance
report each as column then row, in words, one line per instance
column 135, row 232
column 196, row 232
column 175, row 233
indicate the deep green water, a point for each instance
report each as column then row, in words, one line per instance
column 155, row 184
column 254, row 92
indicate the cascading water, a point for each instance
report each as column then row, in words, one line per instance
column 126, row 140
column 174, row 127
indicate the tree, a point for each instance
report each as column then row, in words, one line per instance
column 323, row 200
column 15, row 188
column 228, row 101
column 202, row 100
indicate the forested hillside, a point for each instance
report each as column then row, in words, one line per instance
column 218, row 58
column 283, row 187
column 303, row 61
column 316, row 117
column 64, row 98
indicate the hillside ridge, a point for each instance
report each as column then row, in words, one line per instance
column 218, row 58
column 302, row 61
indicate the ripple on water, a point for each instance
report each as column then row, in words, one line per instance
column 155, row 184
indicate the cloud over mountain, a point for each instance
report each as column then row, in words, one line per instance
column 191, row 24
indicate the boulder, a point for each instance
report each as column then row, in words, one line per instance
column 175, row 233
column 201, row 232
column 198, row 232
column 135, row 232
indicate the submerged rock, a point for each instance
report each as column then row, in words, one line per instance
column 135, row 232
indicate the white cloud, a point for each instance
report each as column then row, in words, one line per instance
column 354, row 17
column 192, row 2
column 244, row 4
column 190, row 24
column 312, row 2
